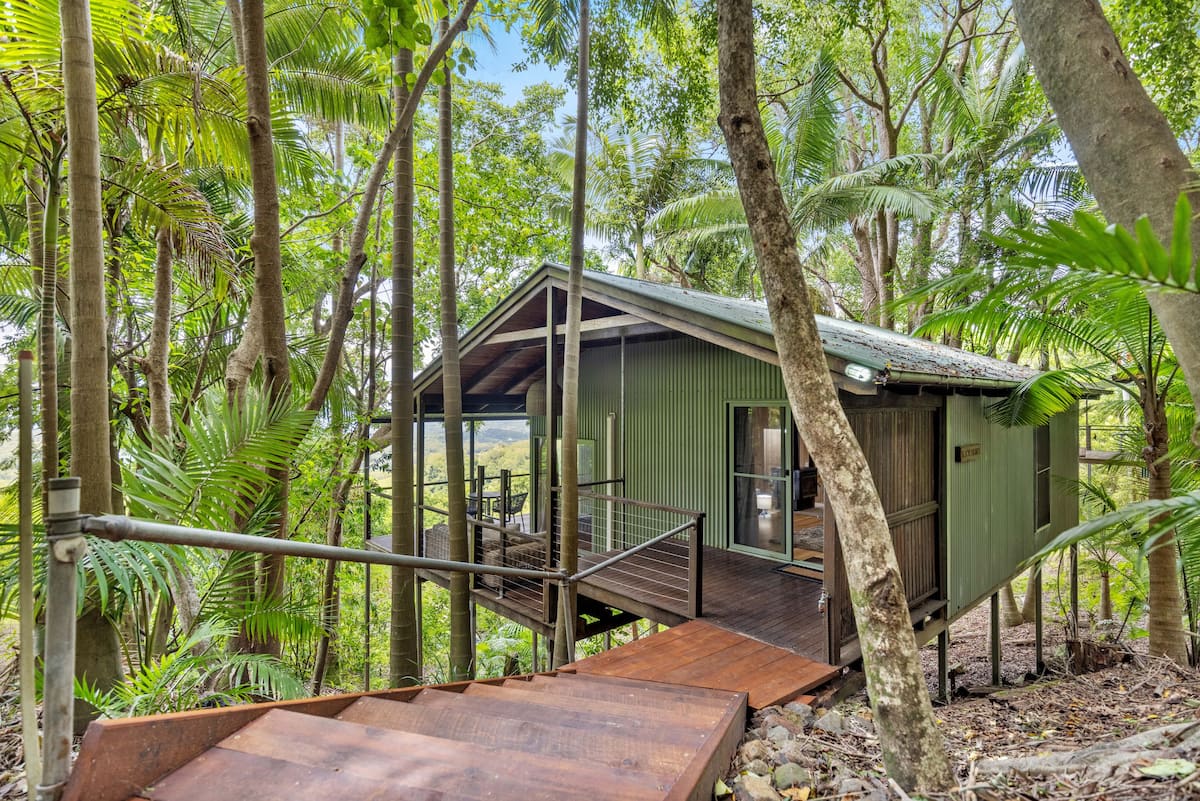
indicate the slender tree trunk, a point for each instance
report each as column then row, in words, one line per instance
column 98, row 656
column 564, row 645
column 913, row 751
column 1125, row 147
column 158, row 357
column 404, row 657
column 89, row 334
column 47, row 326
column 1106, row 610
column 356, row 253
column 1168, row 637
column 333, row 536
column 462, row 649
column 234, row 7
column 268, row 268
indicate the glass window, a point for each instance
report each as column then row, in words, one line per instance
column 1041, row 458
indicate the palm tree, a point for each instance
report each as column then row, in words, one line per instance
column 405, row 656
column 825, row 192
column 462, row 646
column 633, row 175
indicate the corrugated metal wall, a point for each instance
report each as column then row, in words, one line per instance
column 675, row 445
column 990, row 501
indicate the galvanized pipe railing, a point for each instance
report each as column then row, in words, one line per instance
column 118, row 527
column 65, row 545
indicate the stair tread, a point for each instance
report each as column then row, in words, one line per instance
column 418, row 760
column 644, row 693
column 220, row 774
column 613, row 748
column 695, row 718
column 573, row 717
column 701, row 693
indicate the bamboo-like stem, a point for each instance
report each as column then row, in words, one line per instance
column 29, row 721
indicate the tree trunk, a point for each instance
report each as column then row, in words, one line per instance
column 1106, row 612
column 158, row 357
column 89, row 333
column 1011, row 612
column 404, row 659
column 564, row 645
column 1124, row 145
column 1029, row 605
column 343, row 308
column 47, row 326
column 913, row 751
column 268, row 267
column 462, row 649
column 333, row 536
column 1167, row 634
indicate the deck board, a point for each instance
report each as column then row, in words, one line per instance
column 700, row 654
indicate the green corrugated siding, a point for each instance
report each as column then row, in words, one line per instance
column 675, row 443
column 990, row 501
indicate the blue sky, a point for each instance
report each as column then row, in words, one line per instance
column 496, row 65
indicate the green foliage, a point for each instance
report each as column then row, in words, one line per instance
column 196, row 673
column 1092, row 247
column 220, row 470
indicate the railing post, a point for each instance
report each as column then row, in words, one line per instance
column 696, row 569
column 65, row 546
column 505, row 493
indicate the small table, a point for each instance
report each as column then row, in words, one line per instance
column 486, row 502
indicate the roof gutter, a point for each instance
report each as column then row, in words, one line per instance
column 889, row 376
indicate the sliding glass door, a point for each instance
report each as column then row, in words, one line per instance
column 760, row 471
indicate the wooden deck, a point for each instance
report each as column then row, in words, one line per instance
column 534, row 737
column 700, row 654
column 742, row 593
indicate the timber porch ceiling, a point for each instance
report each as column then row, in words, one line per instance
column 505, row 355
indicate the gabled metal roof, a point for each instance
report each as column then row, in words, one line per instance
column 896, row 357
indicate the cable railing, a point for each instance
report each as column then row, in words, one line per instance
column 644, row 551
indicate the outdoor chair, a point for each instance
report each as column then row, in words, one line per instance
column 516, row 502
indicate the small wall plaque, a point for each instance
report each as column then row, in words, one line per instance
column 967, row 453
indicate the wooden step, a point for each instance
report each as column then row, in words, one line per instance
column 697, row 719
column 457, row 769
column 648, row 696
column 610, row 747
column 573, row 717
column 699, row 693
column 223, row 775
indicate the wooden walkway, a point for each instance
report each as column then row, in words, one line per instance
column 559, row 737
column 699, row 654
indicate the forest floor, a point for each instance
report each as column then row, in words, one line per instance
column 1055, row 738
column 1058, row 737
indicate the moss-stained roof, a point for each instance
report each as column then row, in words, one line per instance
column 898, row 358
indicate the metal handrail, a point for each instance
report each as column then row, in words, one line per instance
column 655, row 507
column 619, row 556
column 119, row 527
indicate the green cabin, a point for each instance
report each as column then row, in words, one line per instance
column 690, row 457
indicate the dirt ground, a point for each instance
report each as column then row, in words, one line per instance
column 1025, row 723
